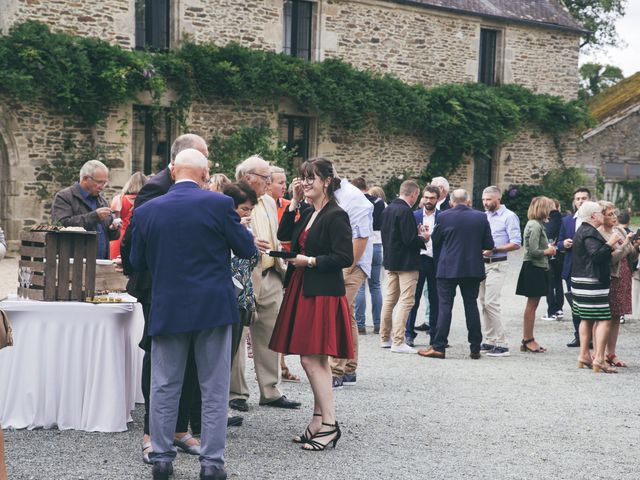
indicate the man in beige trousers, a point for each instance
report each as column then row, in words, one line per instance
column 267, row 285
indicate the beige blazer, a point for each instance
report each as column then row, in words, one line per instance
column 280, row 267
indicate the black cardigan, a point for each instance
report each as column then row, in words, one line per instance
column 591, row 255
column 328, row 240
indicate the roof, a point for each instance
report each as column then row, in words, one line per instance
column 614, row 100
column 550, row 13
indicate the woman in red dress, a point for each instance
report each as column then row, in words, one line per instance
column 122, row 207
column 314, row 317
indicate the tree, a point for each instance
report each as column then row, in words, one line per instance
column 599, row 17
column 596, row 78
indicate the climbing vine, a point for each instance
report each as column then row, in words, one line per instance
column 87, row 77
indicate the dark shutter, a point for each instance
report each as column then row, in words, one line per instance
column 298, row 16
column 482, row 166
column 152, row 24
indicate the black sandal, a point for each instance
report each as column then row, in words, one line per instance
column 304, row 438
column 524, row 347
column 316, row 446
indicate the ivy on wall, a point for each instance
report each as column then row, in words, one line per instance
column 87, row 77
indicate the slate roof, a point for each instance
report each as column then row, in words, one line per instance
column 550, row 13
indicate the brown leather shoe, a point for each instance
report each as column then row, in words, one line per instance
column 431, row 353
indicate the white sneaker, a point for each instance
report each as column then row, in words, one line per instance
column 559, row 314
column 386, row 343
column 552, row 318
column 404, row 348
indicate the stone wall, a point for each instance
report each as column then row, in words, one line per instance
column 112, row 20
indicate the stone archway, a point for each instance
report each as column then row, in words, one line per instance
column 8, row 191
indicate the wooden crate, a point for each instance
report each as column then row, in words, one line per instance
column 64, row 264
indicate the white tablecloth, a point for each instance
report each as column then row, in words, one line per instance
column 74, row 365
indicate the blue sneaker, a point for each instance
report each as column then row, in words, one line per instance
column 337, row 383
column 349, row 379
column 498, row 352
column 486, row 347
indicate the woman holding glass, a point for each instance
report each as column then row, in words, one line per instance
column 533, row 279
column 590, row 280
column 623, row 256
column 314, row 317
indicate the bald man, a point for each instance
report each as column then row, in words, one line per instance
column 182, row 237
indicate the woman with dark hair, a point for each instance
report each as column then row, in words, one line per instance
column 314, row 317
column 590, row 281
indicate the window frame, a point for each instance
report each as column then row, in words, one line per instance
column 146, row 166
column 497, row 48
column 293, row 47
column 149, row 23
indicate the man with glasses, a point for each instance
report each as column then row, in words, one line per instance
column 82, row 205
column 267, row 280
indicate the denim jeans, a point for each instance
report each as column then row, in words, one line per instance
column 374, row 290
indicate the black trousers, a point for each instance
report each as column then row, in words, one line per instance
column 555, row 293
column 189, row 384
column 469, row 287
column 576, row 318
column 426, row 273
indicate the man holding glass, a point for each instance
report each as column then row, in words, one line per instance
column 82, row 205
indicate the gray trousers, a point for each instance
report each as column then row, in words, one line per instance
column 212, row 349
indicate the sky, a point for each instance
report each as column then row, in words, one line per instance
column 627, row 57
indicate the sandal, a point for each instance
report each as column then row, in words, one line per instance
column 287, row 376
column 146, row 450
column 602, row 367
column 307, row 435
column 525, row 348
column 614, row 361
column 315, row 446
column 585, row 364
column 182, row 444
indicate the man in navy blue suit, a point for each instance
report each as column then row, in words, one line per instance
column 570, row 224
column 427, row 215
column 458, row 240
column 184, row 239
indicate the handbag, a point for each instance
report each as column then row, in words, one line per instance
column 6, row 336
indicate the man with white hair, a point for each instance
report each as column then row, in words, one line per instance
column 267, row 279
column 82, row 205
column 187, row 230
column 444, row 200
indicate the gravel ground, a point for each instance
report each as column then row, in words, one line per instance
column 408, row 417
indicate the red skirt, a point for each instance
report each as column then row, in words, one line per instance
column 312, row 325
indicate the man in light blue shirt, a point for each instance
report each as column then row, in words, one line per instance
column 360, row 211
column 505, row 230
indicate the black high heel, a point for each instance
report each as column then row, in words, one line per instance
column 307, row 435
column 316, row 446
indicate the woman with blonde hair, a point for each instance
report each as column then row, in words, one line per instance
column 122, row 207
column 533, row 279
column 218, row 181
column 623, row 256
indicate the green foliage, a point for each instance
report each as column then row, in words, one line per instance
column 600, row 18
column 87, row 77
column 595, row 78
column 630, row 199
column 228, row 151
column 63, row 170
column 558, row 184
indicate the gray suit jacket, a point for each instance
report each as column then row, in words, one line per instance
column 70, row 209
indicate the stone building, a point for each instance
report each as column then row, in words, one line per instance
column 430, row 42
column 612, row 148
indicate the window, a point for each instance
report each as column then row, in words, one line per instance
column 621, row 171
column 152, row 24
column 294, row 133
column 482, row 176
column 488, row 54
column 298, row 17
column 151, row 149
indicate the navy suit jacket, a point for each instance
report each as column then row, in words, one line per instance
column 567, row 230
column 458, row 241
column 184, row 238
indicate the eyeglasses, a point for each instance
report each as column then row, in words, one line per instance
column 308, row 180
column 99, row 182
column 266, row 178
